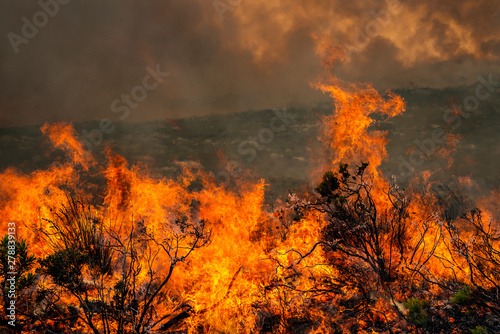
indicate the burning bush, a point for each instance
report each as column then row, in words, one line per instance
column 98, row 279
column 379, row 267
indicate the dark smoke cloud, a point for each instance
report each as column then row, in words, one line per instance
column 261, row 55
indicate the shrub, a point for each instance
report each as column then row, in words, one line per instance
column 417, row 310
column 479, row 330
column 462, row 296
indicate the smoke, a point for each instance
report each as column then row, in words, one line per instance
column 229, row 55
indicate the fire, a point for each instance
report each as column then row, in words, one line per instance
column 218, row 282
column 63, row 136
column 144, row 254
column 346, row 131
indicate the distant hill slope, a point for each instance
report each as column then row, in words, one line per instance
column 286, row 153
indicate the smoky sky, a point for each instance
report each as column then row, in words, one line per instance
column 229, row 55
